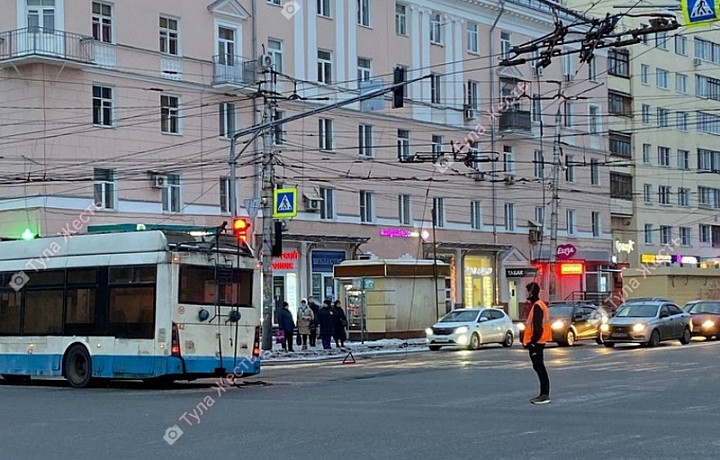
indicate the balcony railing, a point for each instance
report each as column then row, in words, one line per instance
column 234, row 70
column 515, row 120
column 38, row 41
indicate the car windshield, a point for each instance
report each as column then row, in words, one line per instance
column 560, row 310
column 638, row 311
column 704, row 307
column 459, row 316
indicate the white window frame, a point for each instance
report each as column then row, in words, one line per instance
column 278, row 132
column 324, row 8
column 540, row 216
column 103, row 112
column 646, row 115
column 476, row 221
column 594, row 172
column 683, row 159
column 594, row 120
column 568, row 115
column 405, row 216
column 366, row 147
column 509, row 215
column 648, row 233
column 665, row 234
column 473, row 37
column 664, row 192
column 169, row 36
column 592, row 70
column 172, row 194
column 685, row 236
column 663, row 154
column 170, row 114
column 682, row 42
column 364, row 69
column 403, row 144
column 436, row 146
column 646, row 149
column 436, row 28
column 228, row 119
column 705, row 234
column 367, row 207
column 508, row 160
column 103, row 25
column 644, row 74
column 439, row 214
column 401, row 23
column 647, row 193
column 662, row 79
column 663, row 117
column 473, row 95
column 435, row 89
column 327, row 208
column 570, row 169
column 596, row 224
column 225, row 204
column 681, row 83
column 539, row 165
column 363, row 13
column 570, row 222
column 661, row 40
column 275, row 49
column 681, row 120
column 326, row 135
column 683, row 197
column 105, row 188
column 325, row 67
column 505, row 45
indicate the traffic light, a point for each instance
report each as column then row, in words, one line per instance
column 241, row 229
column 399, row 92
column 28, row 234
column 277, row 245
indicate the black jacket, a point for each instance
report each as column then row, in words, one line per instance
column 326, row 320
column 315, row 309
column 340, row 318
column 285, row 320
column 537, row 323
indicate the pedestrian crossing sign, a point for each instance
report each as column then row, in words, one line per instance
column 699, row 12
column 285, row 203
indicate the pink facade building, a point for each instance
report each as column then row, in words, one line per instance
column 131, row 105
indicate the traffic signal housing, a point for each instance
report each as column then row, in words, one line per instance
column 241, row 229
column 399, row 92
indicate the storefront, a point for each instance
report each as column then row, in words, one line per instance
column 323, row 282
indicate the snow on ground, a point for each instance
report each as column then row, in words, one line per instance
column 384, row 346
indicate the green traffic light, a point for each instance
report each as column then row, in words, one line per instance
column 28, row 234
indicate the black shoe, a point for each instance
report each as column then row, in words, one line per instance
column 542, row 399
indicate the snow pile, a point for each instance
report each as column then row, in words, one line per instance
column 277, row 354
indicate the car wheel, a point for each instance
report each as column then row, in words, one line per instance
column 599, row 340
column 570, row 338
column 78, row 366
column 508, row 340
column 686, row 337
column 609, row 344
column 474, row 342
column 434, row 348
column 654, row 339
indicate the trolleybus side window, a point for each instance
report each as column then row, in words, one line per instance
column 132, row 302
column 43, row 302
column 81, row 302
column 9, row 307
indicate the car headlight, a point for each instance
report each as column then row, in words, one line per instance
column 428, row 331
column 521, row 327
column 604, row 327
column 639, row 327
column 708, row 324
column 461, row 330
column 559, row 324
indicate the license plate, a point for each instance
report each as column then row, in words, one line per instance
column 619, row 334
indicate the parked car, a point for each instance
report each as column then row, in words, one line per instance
column 470, row 328
column 647, row 323
column 705, row 316
column 576, row 321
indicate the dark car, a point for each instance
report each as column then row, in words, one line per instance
column 576, row 321
column 705, row 316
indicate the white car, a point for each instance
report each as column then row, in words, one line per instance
column 470, row 328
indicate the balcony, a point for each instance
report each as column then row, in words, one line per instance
column 230, row 70
column 34, row 44
column 515, row 122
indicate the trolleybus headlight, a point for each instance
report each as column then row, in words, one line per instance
column 203, row 315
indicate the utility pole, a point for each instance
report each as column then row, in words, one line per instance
column 554, row 206
column 268, row 186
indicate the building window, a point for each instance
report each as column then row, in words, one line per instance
column 663, row 156
column 663, row 117
column 276, row 51
column 595, row 222
column 226, row 47
column 620, row 144
column 707, row 87
column 619, row 62
column 102, row 22
column 170, row 114
column 570, row 221
column 620, row 104
column 592, row 70
column 404, row 211
column 227, row 119
column 708, row 123
column 225, row 206
column 363, row 71
column 324, row 67
column 172, row 194
column 435, row 89
column 102, row 105
column 647, row 193
column 645, row 74
column 327, row 209
column 568, row 117
column 707, row 197
column 683, row 159
column 276, row 2
column 621, row 186
column 169, row 36
column 539, row 165
column 439, row 212
column 505, row 45
column 682, row 121
column 664, row 194
column 594, row 119
column 708, row 160
column 403, row 144
column 705, row 233
column 401, row 19
column 104, row 188
column 437, row 146
column 278, row 132
column 435, row 29
column 681, row 45
column 509, row 217
column 681, row 83
column 363, row 12
column 365, row 141
column 367, row 203
column 684, row 197
column 540, row 216
column 568, row 66
column 661, row 79
column 646, row 114
column 646, row 153
column 473, row 91
column 685, row 236
column 570, row 168
column 648, row 234
column 323, row 8
column 536, row 112
column 476, row 215
column 472, row 37
column 508, row 160
column 325, row 134
column 665, row 234
column 661, row 40
column 594, row 172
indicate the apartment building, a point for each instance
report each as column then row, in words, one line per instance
column 131, row 106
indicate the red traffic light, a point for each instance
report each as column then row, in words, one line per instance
column 241, row 229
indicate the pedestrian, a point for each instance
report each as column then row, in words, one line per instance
column 339, row 324
column 314, row 323
column 286, row 323
column 305, row 318
column 326, row 320
column 537, row 333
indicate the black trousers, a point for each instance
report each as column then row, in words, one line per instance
column 288, row 344
column 538, row 362
column 313, row 336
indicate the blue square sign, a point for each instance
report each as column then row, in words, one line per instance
column 285, row 202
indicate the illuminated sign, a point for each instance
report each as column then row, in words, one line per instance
column 565, row 251
column 285, row 261
column 655, row 258
column 647, row 258
column 478, row 271
column 403, row 233
column 688, row 260
column 661, row 259
column 572, row 269
column 624, row 247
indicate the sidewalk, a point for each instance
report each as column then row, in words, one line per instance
column 384, row 346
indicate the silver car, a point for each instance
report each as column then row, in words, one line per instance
column 470, row 328
column 647, row 323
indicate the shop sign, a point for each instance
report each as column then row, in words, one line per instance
column 572, row 269
column 478, row 271
column 624, row 247
column 565, row 251
column 520, row 272
column 403, row 233
column 324, row 261
column 655, row 258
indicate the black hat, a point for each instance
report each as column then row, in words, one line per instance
column 533, row 289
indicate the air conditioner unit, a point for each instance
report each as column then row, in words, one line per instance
column 469, row 112
column 265, row 61
column 535, row 236
column 510, row 179
column 159, row 181
column 697, row 62
column 537, row 70
column 312, row 204
column 568, row 77
column 479, row 176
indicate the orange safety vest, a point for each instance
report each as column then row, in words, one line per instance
column 546, row 335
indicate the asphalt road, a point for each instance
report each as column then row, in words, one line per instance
column 627, row 402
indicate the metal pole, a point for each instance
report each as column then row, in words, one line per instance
column 233, row 178
column 362, row 311
column 435, row 274
column 268, row 185
column 554, row 207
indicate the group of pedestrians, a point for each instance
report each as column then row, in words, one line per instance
column 330, row 319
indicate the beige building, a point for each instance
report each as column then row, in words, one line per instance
column 132, row 104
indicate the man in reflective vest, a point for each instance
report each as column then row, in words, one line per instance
column 536, row 334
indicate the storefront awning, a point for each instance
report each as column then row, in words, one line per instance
column 480, row 247
column 335, row 239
